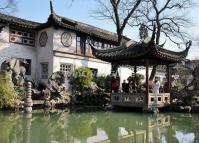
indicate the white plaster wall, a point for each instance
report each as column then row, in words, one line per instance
column 125, row 72
column 12, row 50
column 142, row 71
column 161, row 75
column 45, row 54
column 78, row 61
column 57, row 44
column 103, row 68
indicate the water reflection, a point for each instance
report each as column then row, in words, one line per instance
column 64, row 126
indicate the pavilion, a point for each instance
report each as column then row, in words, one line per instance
column 146, row 54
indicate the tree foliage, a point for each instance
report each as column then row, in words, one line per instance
column 103, row 82
column 82, row 77
column 8, row 95
column 183, row 75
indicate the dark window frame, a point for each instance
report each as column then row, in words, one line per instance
column 28, row 66
column 44, row 74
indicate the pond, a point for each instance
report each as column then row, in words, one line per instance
column 88, row 126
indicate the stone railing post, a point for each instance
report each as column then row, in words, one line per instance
column 28, row 101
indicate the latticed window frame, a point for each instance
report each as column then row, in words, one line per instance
column 66, row 68
column 22, row 37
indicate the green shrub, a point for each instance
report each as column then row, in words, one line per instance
column 8, row 95
column 82, row 77
column 100, row 81
column 139, row 78
column 103, row 82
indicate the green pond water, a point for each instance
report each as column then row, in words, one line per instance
column 88, row 126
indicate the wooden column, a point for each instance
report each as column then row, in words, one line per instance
column 169, row 78
column 147, row 82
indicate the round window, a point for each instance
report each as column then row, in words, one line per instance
column 66, row 39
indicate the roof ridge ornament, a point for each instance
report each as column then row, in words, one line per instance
column 51, row 7
column 129, row 43
column 188, row 44
column 151, row 39
column 162, row 45
column 147, row 40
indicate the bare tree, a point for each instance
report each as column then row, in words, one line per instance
column 170, row 18
column 119, row 11
column 7, row 6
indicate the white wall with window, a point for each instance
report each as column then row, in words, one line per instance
column 64, row 40
column 9, row 49
column 66, row 62
column 68, row 70
column 45, row 51
column 104, row 68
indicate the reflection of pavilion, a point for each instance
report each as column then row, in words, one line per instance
column 145, row 54
column 155, row 127
column 138, row 136
column 109, row 127
column 149, row 133
column 147, row 130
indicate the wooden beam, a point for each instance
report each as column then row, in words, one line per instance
column 147, row 82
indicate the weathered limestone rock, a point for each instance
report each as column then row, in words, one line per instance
column 17, row 70
column 55, row 92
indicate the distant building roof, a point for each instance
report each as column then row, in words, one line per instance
column 196, row 62
column 62, row 22
column 15, row 21
column 59, row 21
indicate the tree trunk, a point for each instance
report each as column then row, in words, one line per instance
column 119, row 40
column 153, row 72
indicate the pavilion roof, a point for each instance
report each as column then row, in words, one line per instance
column 137, row 53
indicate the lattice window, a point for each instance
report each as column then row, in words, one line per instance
column 44, row 70
column 22, row 37
column 67, row 68
column 88, row 47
